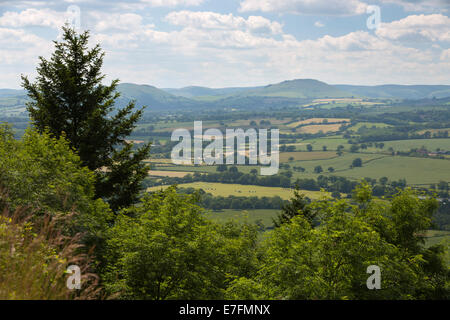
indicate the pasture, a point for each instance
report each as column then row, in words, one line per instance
column 430, row 144
column 304, row 156
column 264, row 216
column 224, row 189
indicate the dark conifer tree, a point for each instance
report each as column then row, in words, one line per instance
column 68, row 97
column 298, row 205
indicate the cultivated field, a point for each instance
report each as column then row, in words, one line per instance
column 325, row 128
column 317, row 121
column 223, row 189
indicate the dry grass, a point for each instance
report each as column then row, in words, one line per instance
column 318, row 121
column 34, row 256
column 317, row 127
column 433, row 131
column 342, row 100
column 176, row 174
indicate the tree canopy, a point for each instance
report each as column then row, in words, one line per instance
column 69, row 99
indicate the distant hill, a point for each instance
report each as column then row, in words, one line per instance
column 151, row 97
column 286, row 93
column 398, row 91
column 11, row 93
column 300, row 88
column 194, row 91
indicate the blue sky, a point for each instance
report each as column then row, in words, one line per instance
column 176, row 43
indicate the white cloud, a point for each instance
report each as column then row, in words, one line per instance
column 114, row 22
column 172, row 3
column 19, row 53
column 319, row 24
column 212, row 20
column 314, row 7
column 33, row 17
column 152, row 3
column 417, row 28
column 218, row 53
column 445, row 56
column 212, row 49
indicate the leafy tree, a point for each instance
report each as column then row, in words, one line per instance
column 357, row 162
column 221, row 168
column 165, row 249
column 383, row 181
column 318, row 169
column 330, row 261
column 68, row 98
column 309, row 147
column 42, row 172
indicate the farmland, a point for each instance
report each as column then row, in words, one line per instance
column 222, row 189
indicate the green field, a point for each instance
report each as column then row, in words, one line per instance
column 223, row 189
column 414, row 170
column 250, row 216
column 406, row 145
column 368, row 125
column 434, row 237
column 331, row 143
column 306, row 156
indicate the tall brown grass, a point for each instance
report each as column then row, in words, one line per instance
column 34, row 256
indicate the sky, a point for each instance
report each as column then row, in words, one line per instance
column 226, row 43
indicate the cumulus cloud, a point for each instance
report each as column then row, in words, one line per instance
column 154, row 3
column 212, row 20
column 19, row 53
column 33, row 17
column 223, row 50
column 172, row 3
column 213, row 49
column 116, row 22
column 314, row 7
column 417, row 28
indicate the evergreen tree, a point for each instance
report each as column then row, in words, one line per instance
column 68, row 98
column 298, row 205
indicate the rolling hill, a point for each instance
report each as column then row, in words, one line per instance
column 195, row 92
column 151, row 97
column 398, row 91
column 286, row 93
column 300, row 88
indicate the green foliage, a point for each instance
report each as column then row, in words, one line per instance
column 68, row 99
column 42, row 172
column 330, row 261
column 165, row 249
